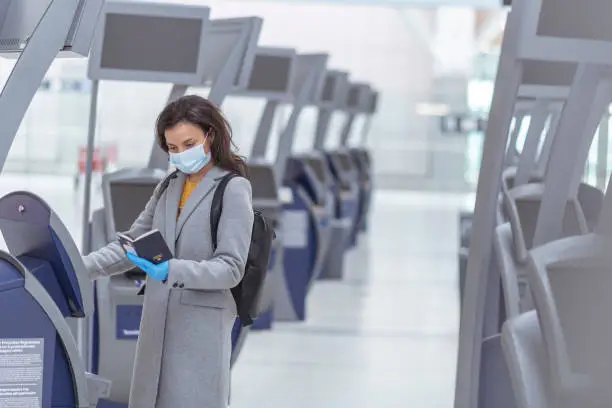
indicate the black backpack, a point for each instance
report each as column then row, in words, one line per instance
column 248, row 292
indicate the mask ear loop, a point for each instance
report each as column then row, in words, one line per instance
column 210, row 134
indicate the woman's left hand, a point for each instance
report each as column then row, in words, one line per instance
column 157, row 272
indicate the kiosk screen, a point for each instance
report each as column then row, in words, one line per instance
column 128, row 200
column 262, row 182
column 270, row 73
column 353, row 97
column 345, row 162
column 317, row 166
column 125, row 33
column 328, row 88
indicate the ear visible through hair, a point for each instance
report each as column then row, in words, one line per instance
column 210, row 133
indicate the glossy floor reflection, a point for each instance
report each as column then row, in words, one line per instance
column 384, row 337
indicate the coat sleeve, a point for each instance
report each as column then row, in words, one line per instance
column 111, row 260
column 226, row 267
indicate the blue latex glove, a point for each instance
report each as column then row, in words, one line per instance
column 157, row 272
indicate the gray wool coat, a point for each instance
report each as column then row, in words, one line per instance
column 184, row 347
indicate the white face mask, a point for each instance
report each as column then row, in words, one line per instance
column 192, row 160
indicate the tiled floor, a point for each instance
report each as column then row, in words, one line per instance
column 384, row 337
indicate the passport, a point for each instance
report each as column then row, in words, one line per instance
column 150, row 246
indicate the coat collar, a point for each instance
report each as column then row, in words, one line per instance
column 175, row 190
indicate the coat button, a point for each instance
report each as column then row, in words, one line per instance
column 181, row 285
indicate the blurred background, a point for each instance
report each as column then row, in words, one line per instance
column 434, row 65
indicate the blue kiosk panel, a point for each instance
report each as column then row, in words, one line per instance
column 29, row 333
column 346, row 189
column 307, row 231
column 31, row 233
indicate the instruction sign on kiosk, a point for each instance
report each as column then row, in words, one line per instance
column 21, row 372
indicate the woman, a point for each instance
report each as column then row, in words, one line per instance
column 184, row 347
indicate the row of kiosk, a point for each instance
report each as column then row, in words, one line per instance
column 76, row 340
column 537, row 250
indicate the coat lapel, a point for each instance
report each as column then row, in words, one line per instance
column 204, row 188
column 173, row 196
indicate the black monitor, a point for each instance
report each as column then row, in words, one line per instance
column 128, row 200
column 263, row 182
column 270, row 73
column 150, row 42
column 374, row 102
column 345, row 162
column 318, row 167
column 329, row 87
column 352, row 100
column 126, row 34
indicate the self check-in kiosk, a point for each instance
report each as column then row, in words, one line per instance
column 212, row 53
column 271, row 79
column 311, row 172
column 118, row 307
column 304, row 223
column 345, row 166
column 45, row 292
column 306, row 175
column 43, row 282
column 333, row 98
column 363, row 160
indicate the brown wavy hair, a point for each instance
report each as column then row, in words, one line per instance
column 207, row 116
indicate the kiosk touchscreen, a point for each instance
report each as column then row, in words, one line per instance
column 272, row 77
column 125, row 193
column 138, row 42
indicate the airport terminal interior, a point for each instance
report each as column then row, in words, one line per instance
column 435, row 172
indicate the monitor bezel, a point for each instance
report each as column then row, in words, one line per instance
column 373, row 101
column 250, row 29
column 285, row 96
column 268, row 168
column 319, row 64
column 339, row 91
column 125, row 175
column 248, row 57
column 96, row 72
column 78, row 39
column 362, row 97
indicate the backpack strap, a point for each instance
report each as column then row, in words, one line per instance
column 217, row 207
column 164, row 184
